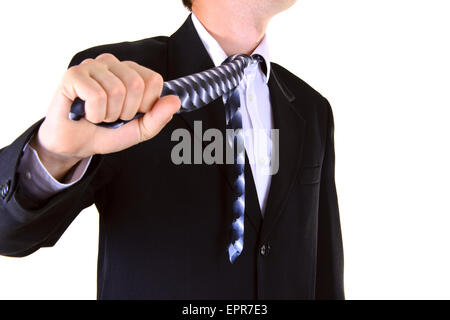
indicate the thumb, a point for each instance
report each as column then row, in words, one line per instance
column 159, row 115
column 138, row 130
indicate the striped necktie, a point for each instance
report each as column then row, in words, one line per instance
column 196, row 91
column 235, row 140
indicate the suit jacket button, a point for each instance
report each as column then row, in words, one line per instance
column 4, row 189
column 264, row 250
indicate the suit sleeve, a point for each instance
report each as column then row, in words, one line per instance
column 27, row 225
column 330, row 260
column 38, row 183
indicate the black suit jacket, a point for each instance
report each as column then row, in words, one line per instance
column 164, row 229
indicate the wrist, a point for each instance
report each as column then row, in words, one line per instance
column 57, row 165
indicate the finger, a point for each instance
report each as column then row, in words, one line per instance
column 135, row 87
column 76, row 83
column 132, row 80
column 114, row 88
column 137, row 130
column 153, row 85
column 86, row 61
column 158, row 116
column 107, row 58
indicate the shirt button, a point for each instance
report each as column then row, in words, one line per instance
column 28, row 175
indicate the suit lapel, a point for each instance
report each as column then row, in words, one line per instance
column 187, row 55
column 291, row 127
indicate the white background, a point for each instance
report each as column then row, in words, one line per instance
column 383, row 65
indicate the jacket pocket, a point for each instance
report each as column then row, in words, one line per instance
column 309, row 174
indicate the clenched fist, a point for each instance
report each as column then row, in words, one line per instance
column 111, row 89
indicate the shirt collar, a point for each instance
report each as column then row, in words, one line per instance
column 216, row 52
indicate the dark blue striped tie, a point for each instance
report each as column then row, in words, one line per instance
column 196, row 91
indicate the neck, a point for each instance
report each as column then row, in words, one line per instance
column 238, row 29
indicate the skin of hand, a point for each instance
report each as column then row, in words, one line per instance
column 111, row 89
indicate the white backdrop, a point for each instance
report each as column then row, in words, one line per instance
column 384, row 66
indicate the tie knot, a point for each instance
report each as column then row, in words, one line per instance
column 247, row 60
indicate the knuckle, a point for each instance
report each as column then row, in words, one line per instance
column 98, row 96
column 155, row 81
column 118, row 90
column 112, row 115
column 106, row 57
column 88, row 60
column 94, row 115
column 129, row 63
column 136, row 83
column 73, row 71
column 127, row 116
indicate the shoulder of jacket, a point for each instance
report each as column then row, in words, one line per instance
column 149, row 52
column 300, row 89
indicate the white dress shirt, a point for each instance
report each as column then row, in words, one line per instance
column 256, row 124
